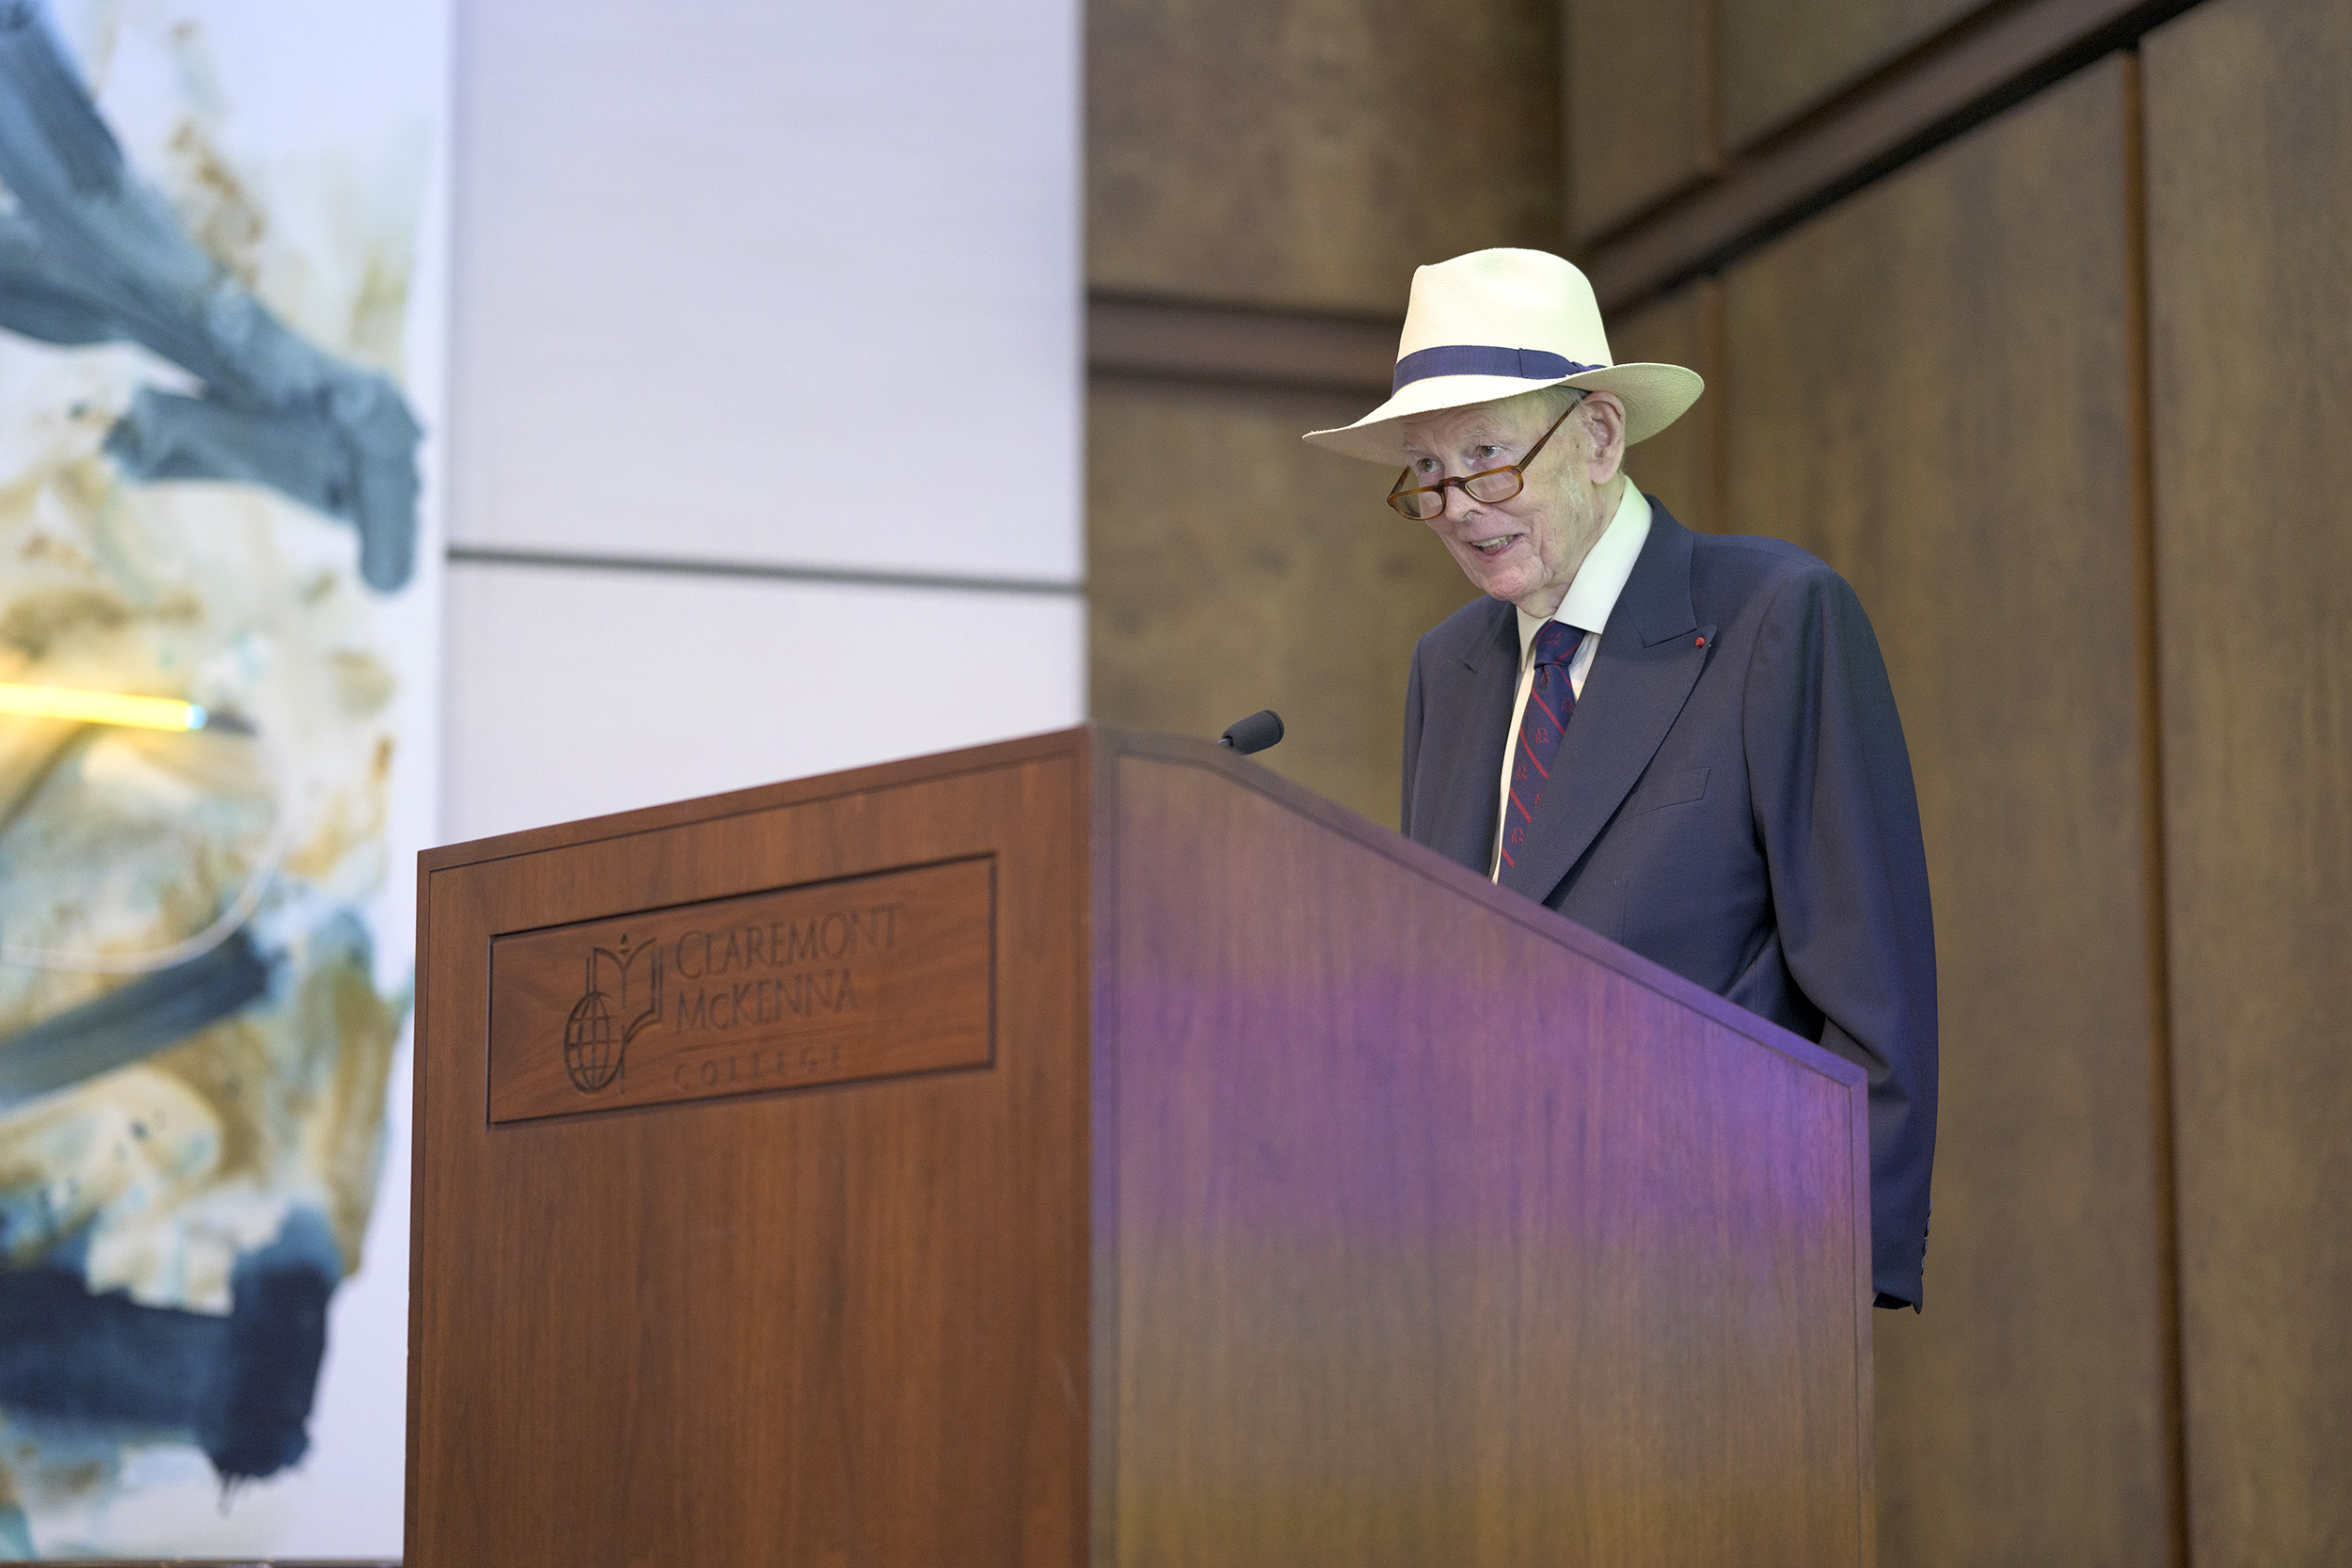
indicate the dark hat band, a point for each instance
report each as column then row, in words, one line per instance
column 1527, row 364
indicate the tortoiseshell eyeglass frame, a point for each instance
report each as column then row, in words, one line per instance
column 1403, row 499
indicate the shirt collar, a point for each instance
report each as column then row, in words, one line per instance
column 1593, row 594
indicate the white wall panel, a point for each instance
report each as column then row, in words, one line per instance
column 778, row 282
column 574, row 691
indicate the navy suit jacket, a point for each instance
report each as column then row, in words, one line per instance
column 1733, row 800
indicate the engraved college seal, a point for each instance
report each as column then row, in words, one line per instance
column 596, row 1035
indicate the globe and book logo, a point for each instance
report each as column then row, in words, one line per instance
column 596, row 1035
column 827, row 982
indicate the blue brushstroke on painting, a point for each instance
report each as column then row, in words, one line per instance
column 130, row 1022
column 238, row 1386
column 91, row 255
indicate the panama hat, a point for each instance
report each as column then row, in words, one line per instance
column 1495, row 323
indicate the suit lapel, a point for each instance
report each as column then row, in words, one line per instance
column 1468, row 723
column 1642, row 674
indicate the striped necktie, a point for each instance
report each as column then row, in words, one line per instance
column 1550, row 701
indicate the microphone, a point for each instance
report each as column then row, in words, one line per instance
column 1254, row 734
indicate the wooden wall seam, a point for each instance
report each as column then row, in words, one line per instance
column 1155, row 339
column 2150, row 695
column 1711, row 81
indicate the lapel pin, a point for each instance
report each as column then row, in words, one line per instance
column 1698, row 641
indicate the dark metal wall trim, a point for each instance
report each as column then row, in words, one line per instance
column 1917, row 104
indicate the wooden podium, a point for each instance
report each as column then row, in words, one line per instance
column 1094, row 1149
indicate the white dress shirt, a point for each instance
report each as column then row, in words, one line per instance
column 1592, row 595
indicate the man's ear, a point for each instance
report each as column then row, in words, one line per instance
column 1604, row 422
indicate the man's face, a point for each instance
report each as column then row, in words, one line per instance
column 1525, row 549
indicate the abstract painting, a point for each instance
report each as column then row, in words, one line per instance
column 217, row 362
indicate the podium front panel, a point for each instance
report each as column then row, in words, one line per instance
column 1437, row 1229
column 680, row 1300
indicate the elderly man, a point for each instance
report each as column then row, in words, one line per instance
column 1684, row 741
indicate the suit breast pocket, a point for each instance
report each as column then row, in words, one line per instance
column 1678, row 788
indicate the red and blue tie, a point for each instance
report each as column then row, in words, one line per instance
column 1550, row 699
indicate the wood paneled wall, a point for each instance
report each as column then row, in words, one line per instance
column 1311, row 154
column 1234, row 567
column 1809, row 99
column 1658, row 94
column 2033, row 322
column 1930, row 388
column 1301, row 158
column 1641, row 106
column 1781, row 57
column 1679, row 464
column 2060, row 403
column 2249, row 158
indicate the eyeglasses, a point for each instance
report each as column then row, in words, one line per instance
column 1489, row 485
